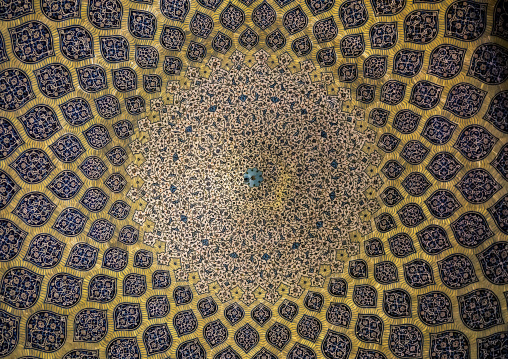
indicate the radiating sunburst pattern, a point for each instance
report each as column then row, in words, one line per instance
column 253, row 179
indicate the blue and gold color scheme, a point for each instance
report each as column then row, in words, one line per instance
column 254, row 179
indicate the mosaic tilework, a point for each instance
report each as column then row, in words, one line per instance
column 253, row 179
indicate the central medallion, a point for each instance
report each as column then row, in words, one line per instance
column 253, row 177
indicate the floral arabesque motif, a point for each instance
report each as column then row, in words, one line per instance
column 251, row 108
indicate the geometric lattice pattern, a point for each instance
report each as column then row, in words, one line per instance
column 253, row 179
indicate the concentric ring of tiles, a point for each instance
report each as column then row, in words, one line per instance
column 90, row 267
